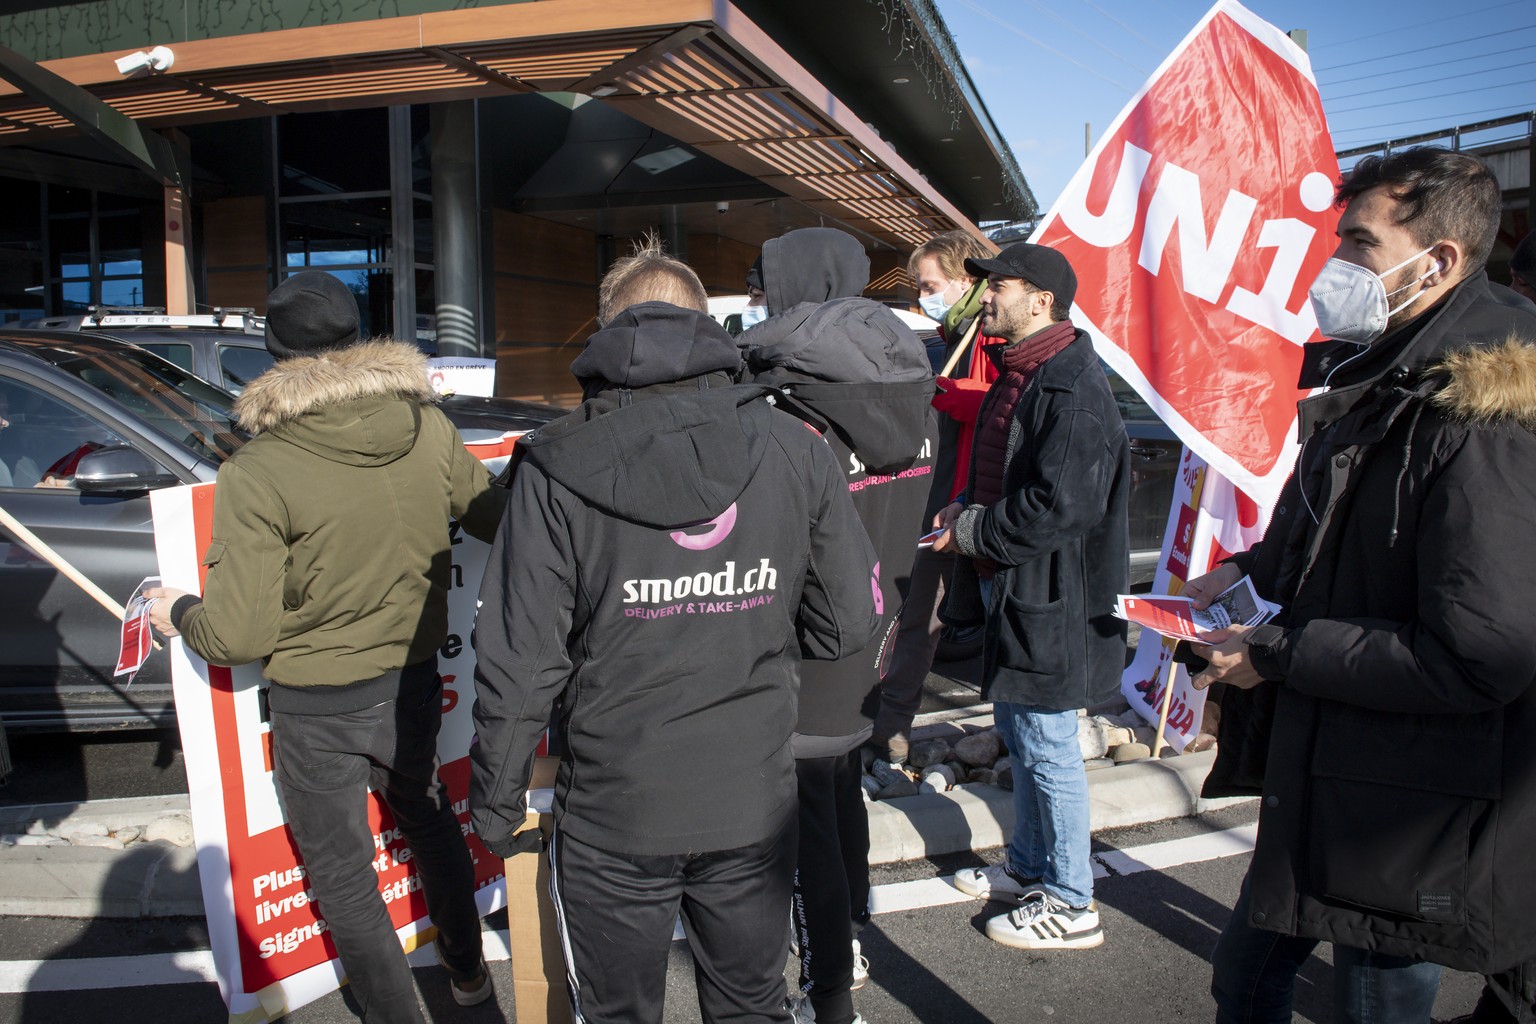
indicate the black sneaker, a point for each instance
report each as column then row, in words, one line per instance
column 467, row 991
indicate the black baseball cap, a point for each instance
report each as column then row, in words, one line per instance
column 1040, row 265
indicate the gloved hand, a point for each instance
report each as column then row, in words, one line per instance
column 529, row 840
column 960, row 399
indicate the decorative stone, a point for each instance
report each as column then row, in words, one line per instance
column 1092, row 740
column 1004, row 769
column 1204, row 741
column 1131, row 752
column 902, row 787
column 927, row 752
column 129, row 834
column 35, row 840
column 175, row 829
column 985, row 776
column 938, row 778
column 101, row 842
column 1097, row 763
column 979, row 750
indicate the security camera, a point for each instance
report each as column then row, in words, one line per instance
column 722, row 207
column 132, row 63
column 158, row 59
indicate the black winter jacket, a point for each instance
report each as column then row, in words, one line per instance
column 851, row 369
column 1392, row 745
column 1059, row 538
column 670, row 552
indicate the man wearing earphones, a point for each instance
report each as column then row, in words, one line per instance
column 1384, row 715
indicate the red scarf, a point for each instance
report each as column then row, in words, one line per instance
column 1020, row 362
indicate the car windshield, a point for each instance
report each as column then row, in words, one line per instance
column 184, row 407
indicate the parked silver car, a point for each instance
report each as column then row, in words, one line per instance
column 88, row 427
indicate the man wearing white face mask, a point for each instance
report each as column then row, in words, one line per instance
column 1383, row 715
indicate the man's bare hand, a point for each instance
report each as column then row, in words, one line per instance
column 1228, row 656
column 945, row 521
column 1203, row 589
column 164, row 599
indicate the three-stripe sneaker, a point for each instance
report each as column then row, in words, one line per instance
column 1044, row 922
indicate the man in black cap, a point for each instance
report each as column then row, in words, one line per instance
column 1042, row 526
column 351, row 459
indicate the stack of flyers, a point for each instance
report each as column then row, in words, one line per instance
column 137, row 637
column 1178, row 617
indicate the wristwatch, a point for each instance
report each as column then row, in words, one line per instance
column 1264, row 649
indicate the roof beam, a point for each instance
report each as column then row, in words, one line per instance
column 145, row 148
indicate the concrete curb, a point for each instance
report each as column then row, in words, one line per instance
column 161, row 880
column 981, row 817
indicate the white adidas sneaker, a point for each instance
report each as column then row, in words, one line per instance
column 994, row 882
column 1044, row 922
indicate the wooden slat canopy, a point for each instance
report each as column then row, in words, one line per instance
column 698, row 70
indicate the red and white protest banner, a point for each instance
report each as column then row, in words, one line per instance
column 1196, row 227
column 1209, row 520
column 269, row 945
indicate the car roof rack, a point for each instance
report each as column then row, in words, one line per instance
column 241, row 318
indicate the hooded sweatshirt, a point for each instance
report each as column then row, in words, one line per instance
column 674, row 547
column 351, row 459
column 850, row 368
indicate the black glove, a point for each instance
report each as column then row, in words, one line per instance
column 529, row 840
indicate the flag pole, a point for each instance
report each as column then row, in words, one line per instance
column 53, row 558
column 1175, row 588
column 965, row 343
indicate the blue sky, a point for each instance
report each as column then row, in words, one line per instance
column 1386, row 69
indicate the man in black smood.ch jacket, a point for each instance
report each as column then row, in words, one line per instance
column 1385, row 714
column 671, row 550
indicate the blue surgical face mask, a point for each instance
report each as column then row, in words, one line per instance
column 751, row 315
column 935, row 305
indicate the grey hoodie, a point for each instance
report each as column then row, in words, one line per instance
column 849, row 367
column 674, row 547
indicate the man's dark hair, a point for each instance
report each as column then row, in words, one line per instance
column 1443, row 195
column 1059, row 311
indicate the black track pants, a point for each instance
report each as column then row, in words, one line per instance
column 616, row 914
column 831, row 880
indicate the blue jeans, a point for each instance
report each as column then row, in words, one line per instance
column 1253, row 978
column 1050, row 800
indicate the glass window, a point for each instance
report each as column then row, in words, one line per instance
column 43, row 438
column 1132, row 405
column 241, row 364
column 331, row 153
column 166, row 397
column 181, row 355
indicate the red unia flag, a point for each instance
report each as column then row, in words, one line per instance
column 1196, row 227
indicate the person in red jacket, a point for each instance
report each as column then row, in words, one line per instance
column 952, row 297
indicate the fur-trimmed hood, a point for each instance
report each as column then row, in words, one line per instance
column 1491, row 383
column 359, row 405
column 297, row 387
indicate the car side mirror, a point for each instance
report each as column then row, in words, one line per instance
column 119, row 468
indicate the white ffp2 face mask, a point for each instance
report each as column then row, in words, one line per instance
column 751, row 315
column 1350, row 301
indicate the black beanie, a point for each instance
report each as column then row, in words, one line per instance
column 309, row 313
column 755, row 275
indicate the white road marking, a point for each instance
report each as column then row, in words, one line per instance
column 91, row 973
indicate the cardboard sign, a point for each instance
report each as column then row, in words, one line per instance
column 269, row 945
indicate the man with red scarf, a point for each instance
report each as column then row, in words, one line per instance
column 1042, row 526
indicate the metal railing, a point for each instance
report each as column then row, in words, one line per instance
column 1456, row 136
